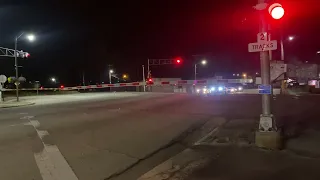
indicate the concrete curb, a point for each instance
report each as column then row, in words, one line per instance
column 16, row 105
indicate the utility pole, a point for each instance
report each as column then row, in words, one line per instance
column 16, row 67
column 83, row 80
column 148, row 73
column 143, row 79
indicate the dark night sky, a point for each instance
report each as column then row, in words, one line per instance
column 77, row 36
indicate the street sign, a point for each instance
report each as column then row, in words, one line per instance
column 3, row 78
column 262, row 36
column 262, row 46
column 264, row 89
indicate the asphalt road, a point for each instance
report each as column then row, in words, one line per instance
column 104, row 136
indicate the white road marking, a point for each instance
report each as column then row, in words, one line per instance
column 27, row 117
column 51, row 163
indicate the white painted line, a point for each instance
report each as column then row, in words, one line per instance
column 206, row 136
column 27, row 117
column 51, row 163
column 35, row 124
column 42, row 134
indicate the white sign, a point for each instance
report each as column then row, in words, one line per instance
column 277, row 70
column 262, row 36
column 262, row 46
column 3, row 78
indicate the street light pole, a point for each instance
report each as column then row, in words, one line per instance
column 16, row 65
column 282, row 48
column 195, row 71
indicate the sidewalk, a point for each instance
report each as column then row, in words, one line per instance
column 229, row 153
column 13, row 103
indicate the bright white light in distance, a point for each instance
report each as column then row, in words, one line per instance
column 213, row 89
column 291, row 38
column 220, row 88
column 111, row 71
column 31, row 37
column 53, row 79
column 203, row 62
column 240, row 88
column 198, row 90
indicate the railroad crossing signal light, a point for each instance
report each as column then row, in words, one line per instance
column 178, row 60
column 149, row 81
column 276, row 11
column 27, row 55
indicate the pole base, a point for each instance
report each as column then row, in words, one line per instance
column 268, row 140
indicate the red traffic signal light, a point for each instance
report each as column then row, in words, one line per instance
column 276, row 11
column 178, row 60
column 150, row 80
column 62, row 86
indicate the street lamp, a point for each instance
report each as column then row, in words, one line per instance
column 203, row 62
column 244, row 75
column 110, row 72
column 53, row 79
column 30, row 37
column 290, row 38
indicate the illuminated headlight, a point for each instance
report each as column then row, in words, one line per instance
column 198, row 90
column 240, row 88
column 220, row 88
column 204, row 89
column 232, row 90
column 213, row 89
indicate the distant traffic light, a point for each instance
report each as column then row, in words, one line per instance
column 150, row 80
column 178, row 60
column 276, row 11
column 62, row 86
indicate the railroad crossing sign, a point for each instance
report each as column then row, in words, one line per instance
column 3, row 78
column 262, row 43
column 263, row 46
column 262, row 36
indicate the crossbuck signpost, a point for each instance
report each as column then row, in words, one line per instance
column 267, row 136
